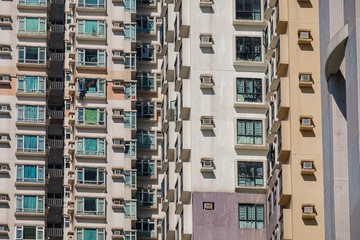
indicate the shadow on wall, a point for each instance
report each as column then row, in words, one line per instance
column 305, row 4
column 339, row 91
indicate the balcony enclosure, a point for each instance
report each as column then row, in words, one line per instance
column 32, row 55
column 146, row 197
column 248, row 49
column 145, row 227
column 146, row 139
column 145, row 81
column 91, row 57
column 146, row 168
column 145, row 25
column 145, row 53
column 251, row 216
column 91, row 28
column 248, row 10
column 91, row 117
column 145, row 110
column 91, row 87
column 31, row 114
column 29, row 25
column 249, row 132
column 248, row 90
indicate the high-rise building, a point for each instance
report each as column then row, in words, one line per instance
column 160, row 119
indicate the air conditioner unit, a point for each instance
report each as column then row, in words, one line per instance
column 117, row 141
column 306, row 121
column 2, row 228
column 3, row 198
column 117, row 53
column 308, row 210
column 72, row 87
column 117, row 232
column 117, row 112
column 117, row 83
column 117, row 24
column 4, row 137
column 205, row 39
column 117, row 171
column 5, row 49
column 304, row 35
column 206, row 121
column 207, row 163
column 206, row 79
column 5, row 78
column 4, row 107
column 208, row 206
column 307, row 165
column 4, row 167
column 7, row 20
column 305, row 77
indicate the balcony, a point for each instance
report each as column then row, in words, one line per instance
column 55, row 232
column 55, row 202
column 282, row 16
column 55, row 143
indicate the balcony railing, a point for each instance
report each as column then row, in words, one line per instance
column 55, row 202
column 57, row 114
column 57, row 28
column 54, row 143
column 56, row 86
column 55, row 232
column 56, row 172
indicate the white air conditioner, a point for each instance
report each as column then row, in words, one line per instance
column 72, row 87
column 117, row 232
column 117, row 83
column 206, row 121
column 308, row 210
column 207, row 163
column 4, row 107
column 305, row 77
column 117, row 112
column 4, row 137
column 5, row 49
column 4, row 167
column 117, row 141
column 5, row 78
column 304, row 35
column 307, row 165
column 116, row 202
column 3, row 198
column 117, row 53
column 206, row 79
column 117, row 24
column 306, row 121
column 2, row 228
column 6, row 20
column 208, row 206
column 205, row 39
column 159, row 20
column 117, row 171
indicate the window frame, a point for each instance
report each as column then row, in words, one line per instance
column 250, row 164
column 20, row 174
column 140, row 166
column 130, row 61
column 100, row 85
column 130, row 119
column 81, row 54
column 81, row 211
column 144, row 26
column 40, row 201
column 41, row 26
column 144, row 135
column 253, row 13
column 143, row 196
column 256, row 221
column 83, row 4
column 130, row 209
column 82, row 111
column 256, row 96
column 40, row 115
column 38, row 230
column 146, row 232
column 41, row 55
column 100, row 233
column 40, row 146
column 81, row 25
column 83, row 151
column 144, row 81
column 21, row 84
column 253, row 53
column 130, row 32
column 80, row 177
column 253, row 144
column 143, row 110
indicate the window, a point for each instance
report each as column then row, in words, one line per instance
column 130, row 179
column 130, row 209
column 130, row 90
column 250, row 174
column 29, row 204
column 30, row 25
column 91, row 146
column 130, row 235
column 30, row 143
column 130, row 120
column 92, row 3
column 130, row 149
column 248, row 49
column 31, row 84
column 145, row 81
column 91, row 86
column 29, row 113
column 248, row 10
column 249, row 131
column 145, row 168
column 91, row 28
column 248, row 90
column 146, row 139
column 33, row 2
column 130, row 61
column 130, row 6
column 130, row 32
column 29, row 232
column 145, row 227
column 30, row 173
column 91, row 57
column 145, row 24
column 90, row 234
column 145, row 52
column 146, row 197
column 145, row 110
column 251, row 216
column 35, row 55
column 90, row 206
column 91, row 116
column 145, row 2
column 93, row 176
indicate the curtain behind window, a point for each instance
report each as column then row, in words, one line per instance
column 32, row 24
column 91, row 27
column 90, row 234
column 31, row 84
column 91, row 146
column 29, row 203
column 30, row 173
column 91, row 116
column 31, row 113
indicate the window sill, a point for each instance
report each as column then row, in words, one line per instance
column 90, row 186
column 37, row 7
column 26, row 214
column 89, row 38
column 29, row 35
column 92, row 97
column 249, row 23
column 91, row 216
column 242, row 63
column 91, row 68
column 90, row 156
column 251, row 146
column 91, row 126
column 32, row 124
column 31, row 65
column 250, row 189
column 89, row 9
column 25, row 94
column 32, row 154
column 30, row 184
column 250, row 104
